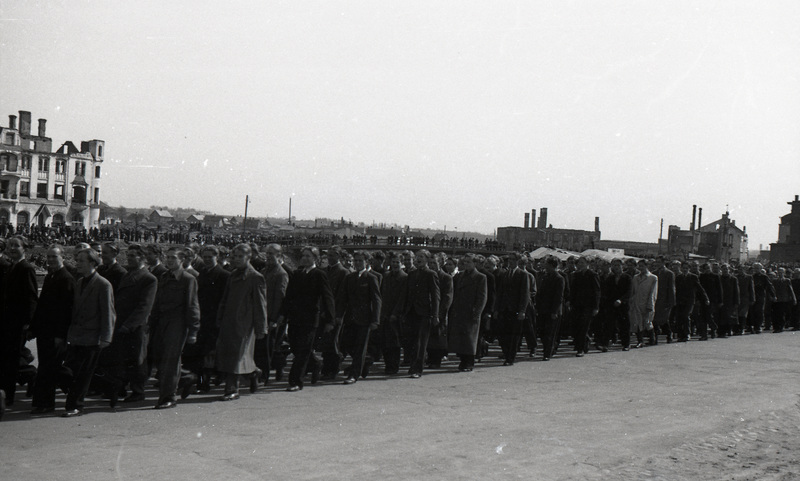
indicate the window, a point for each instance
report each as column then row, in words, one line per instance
column 26, row 162
column 58, row 192
column 44, row 164
column 80, row 169
column 97, row 172
column 99, row 150
column 24, row 189
column 58, row 220
column 22, row 218
column 4, row 189
column 60, row 166
column 79, row 194
column 97, row 195
column 41, row 190
column 10, row 138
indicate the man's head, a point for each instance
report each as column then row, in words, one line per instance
column 240, row 256
column 467, row 263
column 210, row 256
column 361, row 260
column 273, row 255
column 309, row 256
column 174, row 259
column 15, row 248
column 152, row 253
column 421, row 259
column 55, row 258
column 86, row 261
column 334, row 255
column 395, row 262
column 134, row 257
column 109, row 253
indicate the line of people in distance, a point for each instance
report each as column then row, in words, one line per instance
column 195, row 318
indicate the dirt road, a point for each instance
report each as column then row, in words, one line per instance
column 723, row 409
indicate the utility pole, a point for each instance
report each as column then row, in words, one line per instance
column 244, row 224
column 660, row 235
column 290, row 211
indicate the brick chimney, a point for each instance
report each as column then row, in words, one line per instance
column 42, row 123
column 12, row 122
column 597, row 224
column 527, row 220
column 543, row 218
column 694, row 217
column 24, row 123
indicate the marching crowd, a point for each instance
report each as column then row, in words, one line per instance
column 192, row 317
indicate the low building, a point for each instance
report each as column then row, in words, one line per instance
column 161, row 217
column 528, row 238
column 46, row 188
column 787, row 249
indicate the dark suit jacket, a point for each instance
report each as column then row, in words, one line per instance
column 277, row 282
column 93, row 314
column 550, row 296
column 585, row 290
column 306, row 296
column 54, row 310
column 112, row 274
column 665, row 297
column 469, row 299
column 210, row 289
column 422, row 294
column 713, row 286
column 513, row 291
column 134, row 298
column 687, row 289
column 359, row 300
column 20, row 292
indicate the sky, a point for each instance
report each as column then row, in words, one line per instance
column 456, row 115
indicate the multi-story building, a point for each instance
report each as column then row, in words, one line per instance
column 787, row 249
column 722, row 239
column 39, row 186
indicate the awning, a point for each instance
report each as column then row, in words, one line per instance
column 43, row 210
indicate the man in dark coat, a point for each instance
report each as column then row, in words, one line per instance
column 358, row 311
column 513, row 296
column 615, row 290
column 420, row 311
column 328, row 342
column 242, row 320
column 764, row 290
column 175, row 320
column 211, row 283
column 111, row 269
column 19, row 295
column 688, row 291
column 709, row 313
column 747, row 297
column 665, row 300
column 307, row 293
column 277, row 280
column 133, row 301
column 730, row 302
column 389, row 334
column 50, row 326
column 585, row 302
column 469, row 300
column 549, row 304
column 437, row 342
column 91, row 329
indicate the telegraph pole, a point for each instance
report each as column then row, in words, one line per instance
column 244, row 224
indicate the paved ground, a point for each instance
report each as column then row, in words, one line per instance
column 723, row 409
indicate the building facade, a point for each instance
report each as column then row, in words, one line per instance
column 529, row 237
column 46, row 188
column 787, row 249
column 721, row 240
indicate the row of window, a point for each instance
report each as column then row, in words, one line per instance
column 78, row 192
column 23, row 218
column 9, row 162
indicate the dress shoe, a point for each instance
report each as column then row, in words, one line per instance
column 546, row 358
column 293, row 388
column 166, row 405
column 350, row 380
column 41, row 410
column 626, row 348
column 71, row 413
column 415, row 375
column 603, row 349
column 186, row 390
column 133, row 398
column 231, row 396
column 579, row 354
column 328, row 377
column 703, row 338
column 465, row 369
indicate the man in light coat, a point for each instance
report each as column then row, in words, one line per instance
column 644, row 289
column 241, row 318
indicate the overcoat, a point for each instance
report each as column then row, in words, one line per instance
column 242, row 316
column 93, row 315
column 644, row 289
column 469, row 299
column 389, row 331
column 438, row 336
column 175, row 315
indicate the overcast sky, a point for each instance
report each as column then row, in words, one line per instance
column 458, row 114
